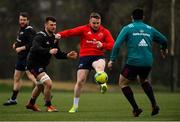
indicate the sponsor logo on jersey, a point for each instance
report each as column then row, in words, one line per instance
column 141, row 34
column 93, row 41
column 142, row 43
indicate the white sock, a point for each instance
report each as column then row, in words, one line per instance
column 76, row 101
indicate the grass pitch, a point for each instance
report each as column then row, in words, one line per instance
column 93, row 106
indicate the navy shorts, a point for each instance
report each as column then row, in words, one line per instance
column 85, row 62
column 131, row 72
column 36, row 70
column 21, row 64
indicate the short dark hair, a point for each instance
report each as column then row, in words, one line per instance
column 50, row 18
column 95, row 15
column 138, row 14
column 24, row 14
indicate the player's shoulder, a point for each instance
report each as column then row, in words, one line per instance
column 29, row 28
column 41, row 33
column 83, row 27
column 148, row 26
column 104, row 29
column 130, row 25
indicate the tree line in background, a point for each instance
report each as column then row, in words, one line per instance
column 71, row 13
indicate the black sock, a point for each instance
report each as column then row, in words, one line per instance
column 32, row 101
column 14, row 95
column 149, row 92
column 48, row 103
column 128, row 93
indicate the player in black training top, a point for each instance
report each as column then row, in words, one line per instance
column 22, row 47
column 44, row 46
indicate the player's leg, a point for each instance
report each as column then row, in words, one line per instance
column 81, row 79
column 99, row 66
column 128, row 74
column 17, row 83
column 37, row 89
column 148, row 89
column 35, row 93
column 31, row 77
column 47, row 82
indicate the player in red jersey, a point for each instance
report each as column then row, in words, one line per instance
column 94, row 40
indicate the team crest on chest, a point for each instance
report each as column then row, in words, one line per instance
column 100, row 34
column 141, row 31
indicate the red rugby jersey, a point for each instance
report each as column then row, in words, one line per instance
column 88, row 39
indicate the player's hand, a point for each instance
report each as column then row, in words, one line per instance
column 110, row 65
column 14, row 46
column 164, row 53
column 53, row 51
column 72, row 55
column 19, row 49
column 99, row 44
column 57, row 38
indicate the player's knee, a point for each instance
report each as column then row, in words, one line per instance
column 45, row 79
column 17, row 79
column 49, row 85
column 123, row 82
column 80, row 83
column 142, row 81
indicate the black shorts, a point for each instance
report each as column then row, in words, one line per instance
column 36, row 70
column 131, row 72
column 21, row 64
column 86, row 61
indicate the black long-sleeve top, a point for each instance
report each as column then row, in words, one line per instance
column 24, row 38
column 39, row 53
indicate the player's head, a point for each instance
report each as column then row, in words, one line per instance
column 95, row 20
column 50, row 24
column 23, row 19
column 137, row 14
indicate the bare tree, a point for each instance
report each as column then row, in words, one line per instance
column 174, row 59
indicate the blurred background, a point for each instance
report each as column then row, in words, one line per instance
column 162, row 14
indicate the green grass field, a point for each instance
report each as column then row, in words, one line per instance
column 93, row 107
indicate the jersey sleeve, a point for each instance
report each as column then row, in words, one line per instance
column 60, row 54
column 109, row 41
column 160, row 38
column 29, row 35
column 72, row 32
column 120, row 39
